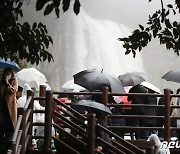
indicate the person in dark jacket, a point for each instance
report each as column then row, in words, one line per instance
column 160, row 112
column 136, row 110
column 8, row 104
column 150, row 122
column 102, row 134
column 118, row 121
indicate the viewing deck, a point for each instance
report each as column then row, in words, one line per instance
column 82, row 139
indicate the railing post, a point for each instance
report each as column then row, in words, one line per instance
column 91, row 133
column 23, row 138
column 31, row 106
column 150, row 150
column 42, row 93
column 167, row 120
column 105, row 100
column 48, row 121
column 23, row 126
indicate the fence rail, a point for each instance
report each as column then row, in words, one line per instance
column 82, row 125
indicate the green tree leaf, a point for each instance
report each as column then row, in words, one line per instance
column 159, row 26
column 49, row 8
column 141, row 27
column 40, row 4
column 76, row 7
column 170, row 6
column 66, row 4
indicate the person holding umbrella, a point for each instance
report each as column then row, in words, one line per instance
column 151, row 111
column 8, row 105
column 137, row 110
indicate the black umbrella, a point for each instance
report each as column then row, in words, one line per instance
column 173, row 75
column 131, row 78
column 94, row 80
column 91, row 106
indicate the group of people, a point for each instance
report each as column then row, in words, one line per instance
column 145, row 111
column 12, row 97
column 135, row 110
column 8, row 110
column 142, row 122
column 8, row 105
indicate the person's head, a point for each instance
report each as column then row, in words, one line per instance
column 178, row 91
column 26, row 87
column 7, row 75
column 97, row 98
column 171, row 92
column 155, row 139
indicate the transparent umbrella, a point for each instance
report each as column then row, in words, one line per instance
column 149, row 85
column 71, row 86
column 31, row 76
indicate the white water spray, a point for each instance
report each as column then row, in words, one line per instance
column 81, row 42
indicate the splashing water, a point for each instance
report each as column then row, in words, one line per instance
column 82, row 42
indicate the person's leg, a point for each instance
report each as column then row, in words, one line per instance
column 1, row 126
column 9, row 129
column 154, row 132
column 146, row 134
column 132, row 135
column 178, row 134
column 2, row 139
column 137, row 131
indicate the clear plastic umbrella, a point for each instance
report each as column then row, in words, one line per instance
column 31, row 76
column 71, row 86
column 151, row 86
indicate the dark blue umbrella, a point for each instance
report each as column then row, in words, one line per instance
column 8, row 63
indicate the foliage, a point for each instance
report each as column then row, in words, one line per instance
column 21, row 40
column 25, row 41
column 159, row 26
column 51, row 5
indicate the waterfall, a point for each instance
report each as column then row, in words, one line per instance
column 82, row 42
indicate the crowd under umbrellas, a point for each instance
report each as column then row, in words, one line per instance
column 91, row 80
column 95, row 82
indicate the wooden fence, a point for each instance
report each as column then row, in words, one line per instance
column 22, row 138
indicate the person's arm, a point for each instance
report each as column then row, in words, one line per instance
column 12, row 88
column 99, row 148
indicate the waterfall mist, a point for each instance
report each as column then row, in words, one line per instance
column 89, row 40
column 82, row 42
